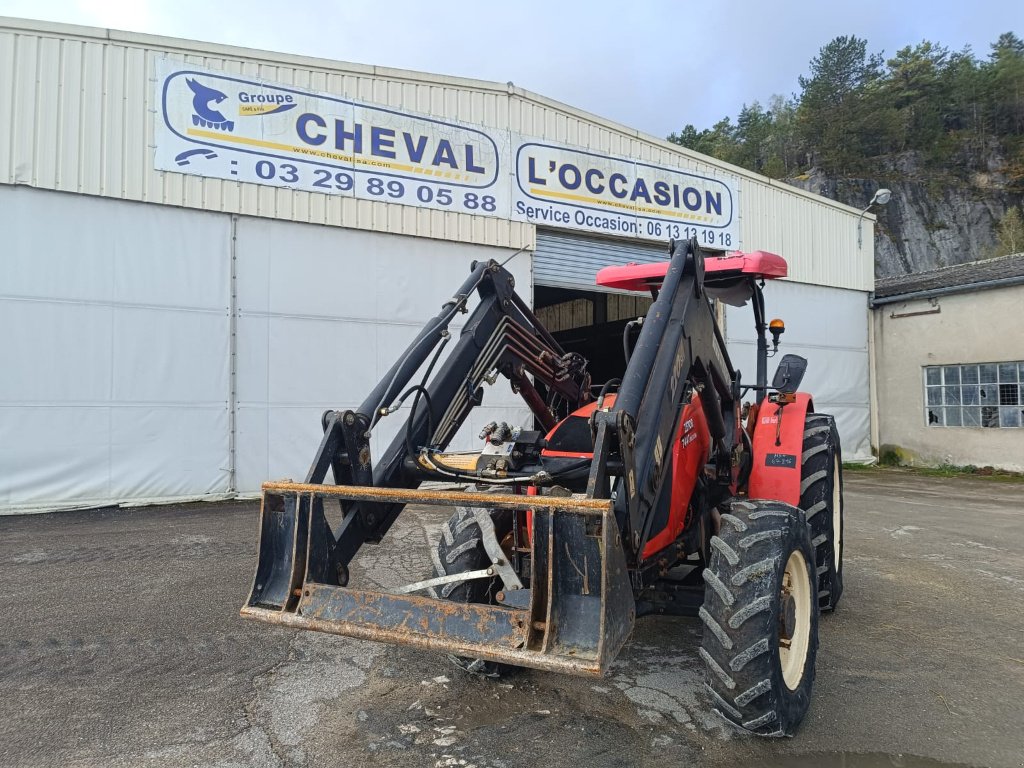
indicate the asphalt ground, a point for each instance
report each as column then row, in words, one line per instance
column 120, row 644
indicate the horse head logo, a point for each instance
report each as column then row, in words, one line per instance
column 205, row 116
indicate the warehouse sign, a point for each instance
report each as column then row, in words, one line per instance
column 225, row 126
column 228, row 127
column 582, row 190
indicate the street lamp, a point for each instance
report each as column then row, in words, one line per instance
column 881, row 197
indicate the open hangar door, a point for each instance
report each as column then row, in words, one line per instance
column 826, row 325
column 582, row 316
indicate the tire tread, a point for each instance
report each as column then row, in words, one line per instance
column 739, row 649
column 821, row 448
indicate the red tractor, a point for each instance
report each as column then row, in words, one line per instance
column 655, row 491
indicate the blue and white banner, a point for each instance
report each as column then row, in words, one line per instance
column 224, row 126
column 573, row 189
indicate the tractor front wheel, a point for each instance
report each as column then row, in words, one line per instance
column 461, row 550
column 760, row 617
column 821, row 499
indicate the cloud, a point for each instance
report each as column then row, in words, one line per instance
column 655, row 65
column 117, row 14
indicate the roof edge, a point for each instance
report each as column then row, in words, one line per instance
column 185, row 45
column 1002, row 282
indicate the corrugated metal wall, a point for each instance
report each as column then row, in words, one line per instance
column 79, row 103
column 819, row 243
column 81, row 115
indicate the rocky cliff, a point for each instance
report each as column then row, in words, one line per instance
column 934, row 219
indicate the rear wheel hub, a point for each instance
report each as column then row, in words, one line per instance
column 787, row 617
column 794, row 619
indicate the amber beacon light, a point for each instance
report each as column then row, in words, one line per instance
column 777, row 328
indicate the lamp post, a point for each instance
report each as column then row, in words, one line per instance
column 881, row 197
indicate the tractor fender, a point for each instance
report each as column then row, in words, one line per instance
column 777, row 448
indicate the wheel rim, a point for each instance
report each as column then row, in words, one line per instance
column 794, row 620
column 837, row 515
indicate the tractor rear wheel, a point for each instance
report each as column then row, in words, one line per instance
column 461, row 550
column 760, row 617
column 821, row 499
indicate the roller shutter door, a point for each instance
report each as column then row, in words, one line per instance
column 570, row 261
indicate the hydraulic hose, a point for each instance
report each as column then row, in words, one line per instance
column 626, row 351
column 604, row 391
column 416, row 354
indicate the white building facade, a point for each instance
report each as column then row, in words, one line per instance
column 205, row 247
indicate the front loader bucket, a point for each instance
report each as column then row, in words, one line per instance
column 575, row 617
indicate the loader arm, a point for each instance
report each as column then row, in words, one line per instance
column 679, row 351
column 501, row 334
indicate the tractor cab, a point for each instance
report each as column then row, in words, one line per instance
column 733, row 279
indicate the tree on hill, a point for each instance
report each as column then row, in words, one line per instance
column 1006, row 75
column 837, row 100
column 1010, row 233
column 854, row 107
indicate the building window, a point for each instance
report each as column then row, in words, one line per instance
column 983, row 395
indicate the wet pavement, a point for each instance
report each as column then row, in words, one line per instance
column 121, row 645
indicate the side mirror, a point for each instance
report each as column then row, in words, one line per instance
column 790, row 373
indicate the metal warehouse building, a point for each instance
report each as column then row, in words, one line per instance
column 204, row 247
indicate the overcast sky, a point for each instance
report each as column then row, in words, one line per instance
column 651, row 64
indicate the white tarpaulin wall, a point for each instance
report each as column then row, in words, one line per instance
column 119, row 381
column 829, row 327
column 323, row 313
column 117, row 344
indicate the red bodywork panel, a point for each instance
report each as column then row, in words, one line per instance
column 585, row 412
column 692, row 443
column 642, row 277
column 691, row 449
column 776, row 470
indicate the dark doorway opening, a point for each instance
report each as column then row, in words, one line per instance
column 592, row 324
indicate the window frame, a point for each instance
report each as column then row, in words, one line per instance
column 974, row 395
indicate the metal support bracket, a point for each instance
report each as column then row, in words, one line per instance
column 438, row 581
column 494, row 551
